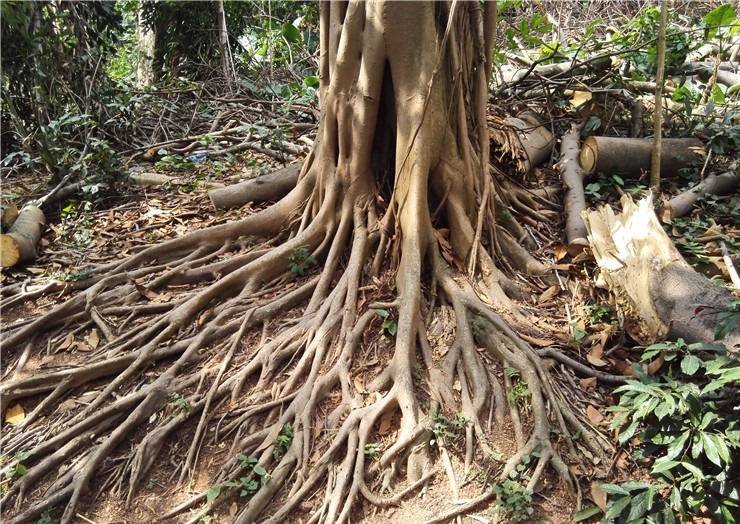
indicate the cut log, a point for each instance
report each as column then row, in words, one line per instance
column 152, row 179
column 682, row 204
column 260, row 189
column 631, row 156
column 575, row 199
column 19, row 244
column 523, row 138
column 660, row 293
column 725, row 75
column 8, row 214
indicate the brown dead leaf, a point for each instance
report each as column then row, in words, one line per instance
column 594, row 415
column 93, row 339
column 588, row 384
column 359, row 385
column 15, row 414
column 67, row 405
column 562, row 267
column 594, row 356
column 385, row 423
column 66, row 342
column 204, row 317
column 146, row 292
column 623, row 366
column 655, row 365
column 549, row 294
column 598, row 495
column 560, row 252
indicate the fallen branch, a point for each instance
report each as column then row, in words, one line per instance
column 268, row 187
column 650, row 279
column 575, row 199
column 631, row 156
column 682, row 204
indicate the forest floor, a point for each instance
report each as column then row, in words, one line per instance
column 119, row 224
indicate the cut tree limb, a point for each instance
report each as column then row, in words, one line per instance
column 575, row 199
column 524, row 138
column 682, row 204
column 650, row 279
column 264, row 188
column 19, row 244
column 631, row 156
column 8, row 214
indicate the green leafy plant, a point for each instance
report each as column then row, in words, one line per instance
column 687, row 355
column 445, row 429
column 636, row 502
column 519, row 392
column 45, row 518
column 247, row 485
column 389, row 328
column 372, row 450
column 478, row 326
column 283, row 441
column 513, row 500
column 300, row 261
column 172, row 162
column 180, row 404
column 598, row 313
column 688, row 430
column 18, row 469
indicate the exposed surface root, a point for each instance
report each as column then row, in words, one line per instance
column 289, row 401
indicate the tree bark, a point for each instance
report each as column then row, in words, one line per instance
column 146, row 45
column 225, row 48
column 524, row 138
column 632, row 156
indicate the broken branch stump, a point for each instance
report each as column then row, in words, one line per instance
column 661, row 294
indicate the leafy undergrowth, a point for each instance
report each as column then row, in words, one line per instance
column 683, row 424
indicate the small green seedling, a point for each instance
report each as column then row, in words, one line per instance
column 513, row 500
column 372, row 450
column 300, row 261
column 389, row 327
column 180, row 404
column 283, row 441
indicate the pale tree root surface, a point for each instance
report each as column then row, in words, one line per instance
column 306, row 397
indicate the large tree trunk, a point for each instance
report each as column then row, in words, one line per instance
column 398, row 189
column 146, row 46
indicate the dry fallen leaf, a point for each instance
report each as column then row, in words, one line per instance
column 385, row 423
column 594, row 415
column 66, row 342
column 598, row 495
column 588, row 384
column 594, row 356
column 549, row 294
column 560, row 252
column 579, row 98
column 14, row 415
column 93, row 339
